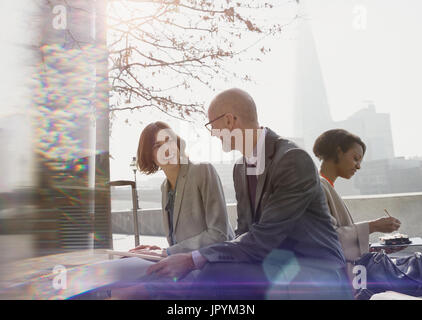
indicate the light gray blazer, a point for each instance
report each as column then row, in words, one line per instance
column 200, row 215
column 354, row 237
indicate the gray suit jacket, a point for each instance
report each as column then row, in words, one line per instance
column 291, row 213
column 200, row 215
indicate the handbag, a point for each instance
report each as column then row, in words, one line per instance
column 403, row 275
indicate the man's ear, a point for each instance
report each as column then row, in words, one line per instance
column 229, row 121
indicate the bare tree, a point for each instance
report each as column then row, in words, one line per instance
column 161, row 50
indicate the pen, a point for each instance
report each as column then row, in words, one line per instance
column 385, row 210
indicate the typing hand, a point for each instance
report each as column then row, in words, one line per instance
column 175, row 266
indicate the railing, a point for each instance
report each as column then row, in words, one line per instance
column 407, row 207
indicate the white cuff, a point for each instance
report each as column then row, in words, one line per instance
column 198, row 260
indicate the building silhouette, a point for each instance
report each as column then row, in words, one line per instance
column 381, row 171
column 373, row 128
column 312, row 112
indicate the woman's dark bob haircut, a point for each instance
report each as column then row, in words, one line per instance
column 145, row 154
column 327, row 144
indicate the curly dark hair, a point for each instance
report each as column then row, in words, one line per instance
column 327, row 144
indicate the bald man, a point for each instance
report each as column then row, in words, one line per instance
column 285, row 246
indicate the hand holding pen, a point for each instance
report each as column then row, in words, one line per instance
column 385, row 225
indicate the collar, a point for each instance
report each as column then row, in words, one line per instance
column 330, row 182
column 182, row 173
column 258, row 148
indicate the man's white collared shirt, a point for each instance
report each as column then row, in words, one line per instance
column 259, row 151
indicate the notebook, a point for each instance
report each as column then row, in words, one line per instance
column 130, row 254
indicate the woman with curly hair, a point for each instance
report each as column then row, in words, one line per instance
column 341, row 153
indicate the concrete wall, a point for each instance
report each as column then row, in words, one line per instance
column 150, row 222
column 406, row 207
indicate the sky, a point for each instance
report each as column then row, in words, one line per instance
column 368, row 50
column 379, row 62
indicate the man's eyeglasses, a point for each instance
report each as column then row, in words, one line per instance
column 208, row 125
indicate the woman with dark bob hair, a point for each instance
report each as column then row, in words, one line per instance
column 341, row 154
column 193, row 203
